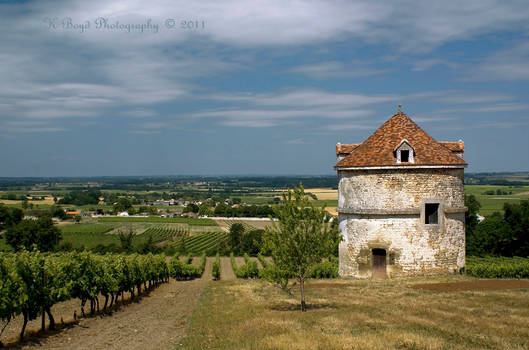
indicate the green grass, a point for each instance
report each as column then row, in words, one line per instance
column 492, row 203
column 89, row 240
column 87, row 228
column 360, row 314
column 189, row 221
column 330, row 202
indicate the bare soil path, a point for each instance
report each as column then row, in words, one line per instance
column 226, row 272
column 157, row 321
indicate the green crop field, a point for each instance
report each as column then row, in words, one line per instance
column 93, row 234
column 202, row 242
column 87, row 228
column 492, row 203
column 163, row 233
column 89, row 240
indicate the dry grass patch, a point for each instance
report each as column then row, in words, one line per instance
column 391, row 314
column 323, row 193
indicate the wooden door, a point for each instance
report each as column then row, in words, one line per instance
column 379, row 263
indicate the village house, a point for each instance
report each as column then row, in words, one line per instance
column 401, row 203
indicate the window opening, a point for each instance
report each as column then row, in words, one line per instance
column 431, row 213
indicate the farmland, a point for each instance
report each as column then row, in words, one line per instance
column 178, row 237
column 494, row 202
column 389, row 314
column 236, row 313
column 188, row 221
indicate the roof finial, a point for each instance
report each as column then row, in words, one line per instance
column 400, row 109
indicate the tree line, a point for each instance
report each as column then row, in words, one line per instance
column 498, row 235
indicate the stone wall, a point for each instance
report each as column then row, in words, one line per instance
column 385, row 209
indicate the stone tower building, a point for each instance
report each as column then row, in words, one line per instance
column 401, row 203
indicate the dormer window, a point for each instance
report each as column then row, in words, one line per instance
column 404, row 156
column 404, row 152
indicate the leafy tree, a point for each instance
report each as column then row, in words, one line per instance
column 81, row 197
column 517, row 217
column 26, row 233
column 252, row 241
column 236, row 233
column 302, row 237
column 9, row 216
column 58, row 212
column 204, row 209
column 492, row 236
column 126, row 240
column 132, row 210
column 191, row 208
column 77, row 219
column 123, row 204
column 152, row 210
column 471, row 219
column 506, row 235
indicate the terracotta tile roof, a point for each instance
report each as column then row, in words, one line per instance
column 378, row 149
column 458, row 146
column 343, row 148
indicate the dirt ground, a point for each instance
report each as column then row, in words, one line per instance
column 226, row 272
column 476, row 285
column 156, row 321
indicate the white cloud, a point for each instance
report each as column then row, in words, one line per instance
column 426, row 64
column 298, row 141
column 139, row 113
column 351, row 126
column 335, row 69
column 62, row 73
column 510, row 64
column 271, row 109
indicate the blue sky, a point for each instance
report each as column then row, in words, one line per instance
column 108, row 87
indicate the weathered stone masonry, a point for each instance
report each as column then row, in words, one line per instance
column 406, row 218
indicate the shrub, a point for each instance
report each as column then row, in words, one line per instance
column 248, row 270
column 492, row 267
column 215, row 271
column 325, row 269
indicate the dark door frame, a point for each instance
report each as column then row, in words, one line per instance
column 379, row 262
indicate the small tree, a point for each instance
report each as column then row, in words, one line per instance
column 236, row 233
column 126, row 240
column 41, row 232
column 302, row 237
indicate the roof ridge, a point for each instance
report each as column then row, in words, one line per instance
column 377, row 149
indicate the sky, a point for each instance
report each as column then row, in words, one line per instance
column 103, row 87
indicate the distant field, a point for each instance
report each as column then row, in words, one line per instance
column 189, row 221
column 248, row 224
column 47, row 200
column 323, row 193
column 492, row 203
